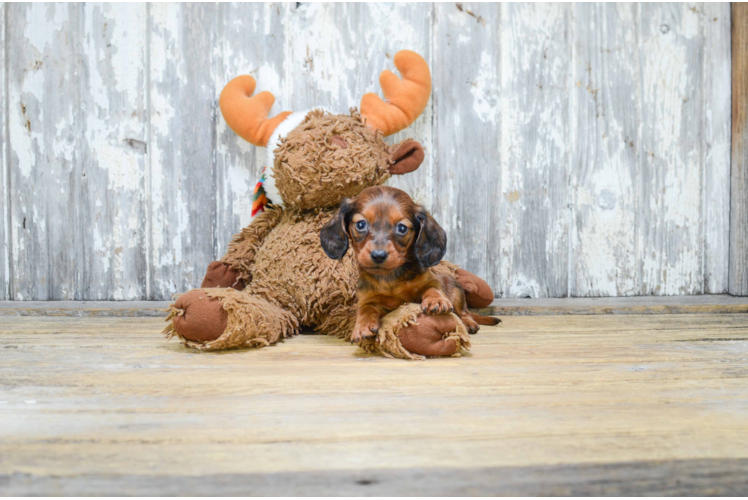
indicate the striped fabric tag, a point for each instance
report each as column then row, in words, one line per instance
column 259, row 199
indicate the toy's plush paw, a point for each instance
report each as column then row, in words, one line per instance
column 477, row 292
column 364, row 329
column 202, row 319
column 436, row 305
column 470, row 324
column 220, row 275
column 427, row 336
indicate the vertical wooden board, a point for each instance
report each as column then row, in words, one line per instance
column 252, row 40
column 338, row 50
column 401, row 27
column 535, row 59
column 670, row 223
column 182, row 139
column 4, row 173
column 739, row 173
column 45, row 126
column 112, row 82
column 605, row 147
column 716, row 149
column 466, row 97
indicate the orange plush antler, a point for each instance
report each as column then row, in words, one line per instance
column 247, row 115
column 406, row 98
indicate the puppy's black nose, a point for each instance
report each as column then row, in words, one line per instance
column 378, row 256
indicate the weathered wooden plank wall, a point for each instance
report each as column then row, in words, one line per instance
column 739, row 172
column 573, row 149
column 76, row 112
column 4, row 188
column 716, row 117
column 467, row 172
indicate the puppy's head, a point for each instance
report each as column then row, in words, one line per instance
column 387, row 231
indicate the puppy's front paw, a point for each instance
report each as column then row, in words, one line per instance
column 364, row 330
column 436, row 305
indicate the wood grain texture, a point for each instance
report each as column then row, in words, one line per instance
column 114, row 144
column 5, row 246
column 655, row 478
column 46, row 158
column 78, row 144
column 690, row 304
column 739, row 173
column 605, row 148
column 673, row 304
column 715, row 22
column 535, row 153
column 670, row 205
column 85, row 308
column 466, row 97
column 108, row 397
column 571, row 149
column 183, row 115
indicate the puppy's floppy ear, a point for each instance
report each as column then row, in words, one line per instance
column 334, row 234
column 431, row 244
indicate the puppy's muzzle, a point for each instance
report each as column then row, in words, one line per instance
column 378, row 256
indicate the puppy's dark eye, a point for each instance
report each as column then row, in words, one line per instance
column 401, row 229
column 361, row 225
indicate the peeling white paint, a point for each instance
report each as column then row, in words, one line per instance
column 602, row 180
column 485, row 95
column 115, row 134
column 41, row 35
column 672, row 195
column 603, row 258
column 5, row 236
column 320, row 52
column 534, row 148
column 125, row 172
column 717, row 133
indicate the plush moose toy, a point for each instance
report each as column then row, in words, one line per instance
column 275, row 278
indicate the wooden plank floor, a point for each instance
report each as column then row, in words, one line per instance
column 688, row 304
column 543, row 405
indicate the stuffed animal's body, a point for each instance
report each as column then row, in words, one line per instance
column 275, row 278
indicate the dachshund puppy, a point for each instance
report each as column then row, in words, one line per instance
column 395, row 242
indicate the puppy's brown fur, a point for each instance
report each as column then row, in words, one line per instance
column 395, row 242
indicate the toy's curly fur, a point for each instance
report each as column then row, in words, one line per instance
column 291, row 283
column 308, row 158
column 252, row 322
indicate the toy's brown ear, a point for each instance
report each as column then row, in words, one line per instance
column 334, row 235
column 407, row 158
